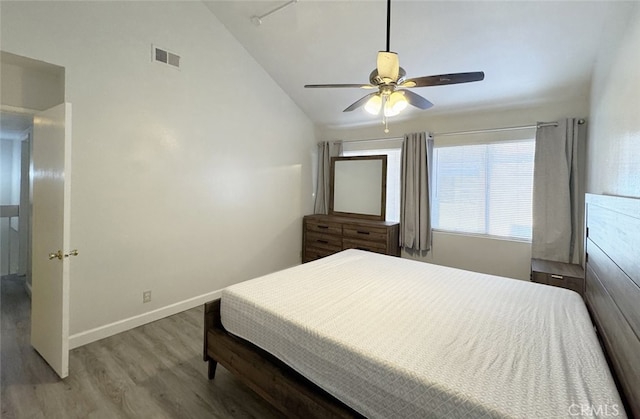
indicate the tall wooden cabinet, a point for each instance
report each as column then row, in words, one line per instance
column 323, row 235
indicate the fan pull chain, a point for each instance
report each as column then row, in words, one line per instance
column 384, row 115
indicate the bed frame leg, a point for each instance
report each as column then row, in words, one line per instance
column 211, row 370
column 211, row 321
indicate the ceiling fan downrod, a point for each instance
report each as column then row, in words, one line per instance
column 388, row 25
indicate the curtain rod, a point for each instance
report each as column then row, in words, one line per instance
column 538, row 125
column 478, row 131
column 369, row 140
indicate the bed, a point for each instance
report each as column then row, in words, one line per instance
column 359, row 334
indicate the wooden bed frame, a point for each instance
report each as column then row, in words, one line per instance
column 612, row 244
column 277, row 383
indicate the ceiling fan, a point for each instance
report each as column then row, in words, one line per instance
column 390, row 80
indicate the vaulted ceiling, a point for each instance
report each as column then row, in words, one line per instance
column 531, row 51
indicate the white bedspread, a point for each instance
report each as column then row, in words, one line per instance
column 393, row 338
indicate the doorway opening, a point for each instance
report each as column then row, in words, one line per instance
column 38, row 203
column 15, row 156
column 27, row 87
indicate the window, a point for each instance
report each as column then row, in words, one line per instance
column 484, row 188
column 393, row 177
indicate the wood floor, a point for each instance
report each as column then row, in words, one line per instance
column 154, row 371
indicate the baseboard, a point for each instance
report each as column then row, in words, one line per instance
column 83, row 338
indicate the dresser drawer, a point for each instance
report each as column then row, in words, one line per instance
column 326, row 227
column 540, row 277
column 324, row 235
column 323, row 241
column 368, row 233
column 568, row 282
column 313, row 253
column 370, row 246
column 558, row 274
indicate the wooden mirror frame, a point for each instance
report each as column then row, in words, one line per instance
column 383, row 188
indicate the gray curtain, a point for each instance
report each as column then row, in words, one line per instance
column 415, row 214
column 558, row 192
column 326, row 150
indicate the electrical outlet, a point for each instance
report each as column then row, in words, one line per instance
column 146, row 296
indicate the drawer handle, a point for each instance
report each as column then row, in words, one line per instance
column 363, row 232
column 557, row 276
column 325, row 227
column 322, row 241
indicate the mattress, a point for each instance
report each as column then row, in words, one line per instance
column 392, row 337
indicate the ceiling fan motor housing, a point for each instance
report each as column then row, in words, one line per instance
column 376, row 80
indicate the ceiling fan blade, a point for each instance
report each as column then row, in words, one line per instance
column 388, row 66
column 322, row 86
column 444, row 79
column 360, row 102
column 416, row 100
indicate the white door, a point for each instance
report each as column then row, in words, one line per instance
column 51, row 160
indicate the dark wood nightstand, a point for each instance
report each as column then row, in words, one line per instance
column 565, row 275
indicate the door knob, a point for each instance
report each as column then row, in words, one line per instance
column 59, row 255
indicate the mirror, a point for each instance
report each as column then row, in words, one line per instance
column 359, row 186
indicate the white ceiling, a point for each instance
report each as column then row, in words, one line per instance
column 531, row 52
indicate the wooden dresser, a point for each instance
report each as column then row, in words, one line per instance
column 323, row 235
column 558, row 274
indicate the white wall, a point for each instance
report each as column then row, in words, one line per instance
column 183, row 182
column 481, row 254
column 613, row 150
column 30, row 84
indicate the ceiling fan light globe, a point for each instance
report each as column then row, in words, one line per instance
column 389, row 111
column 373, row 105
column 396, row 104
